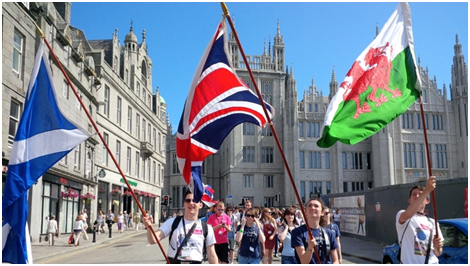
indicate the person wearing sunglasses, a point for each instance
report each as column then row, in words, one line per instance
column 221, row 224
column 250, row 239
column 192, row 252
column 327, row 223
column 269, row 230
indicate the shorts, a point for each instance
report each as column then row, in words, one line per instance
column 222, row 252
column 231, row 244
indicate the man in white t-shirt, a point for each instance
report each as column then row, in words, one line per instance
column 414, row 228
column 192, row 252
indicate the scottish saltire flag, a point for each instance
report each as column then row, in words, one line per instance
column 381, row 85
column 43, row 137
column 217, row 101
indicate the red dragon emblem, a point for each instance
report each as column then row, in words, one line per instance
column 374, row 73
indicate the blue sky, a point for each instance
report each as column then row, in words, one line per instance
column 317, row 36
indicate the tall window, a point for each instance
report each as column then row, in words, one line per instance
column 266, row 131
column 249, row 154
column 344, row 161
column 159, row 142
column 302, row 159
column 128, row 162
column 154, row 172
column 137, row 90
column 148, row 169
column 76, row 160
column 248, row 181
column 144, row 124
column 310, row 159
column 248, row 129
column 301, row 129
column 421, row 155
column 137, row 164
column 149, row 133
column 143, row 168
column 268, row 181
column 105, row 152
column 308, row 129
column 155, row 140
column 18, row 41
column 66, row 55
column 327, row 160
column 328, row 187
column 369, row 161
column 129, row 120
column 118, row 152
column 118, row 111
column 106, row 101
column 409, row 155
column 137, row 125
column 441, row 156
column 65, row 89
column 267, row 155
column 15, row 109
column 176, row 170
column 302, row 190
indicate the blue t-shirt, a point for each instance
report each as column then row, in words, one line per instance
column 334, row 227
column 231, row 234
column 287, row 249
column 299, row 238
column 250, row 239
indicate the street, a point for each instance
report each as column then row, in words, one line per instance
column 132, row 249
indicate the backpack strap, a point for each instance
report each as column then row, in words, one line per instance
column 204, row 232
column 174, row 225
column 327, row 241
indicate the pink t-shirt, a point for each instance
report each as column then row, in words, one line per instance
column 221, row 233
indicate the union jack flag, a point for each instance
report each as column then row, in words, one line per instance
column 217, row 102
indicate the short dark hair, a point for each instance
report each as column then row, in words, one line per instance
column 421, row 188
column 188, row 191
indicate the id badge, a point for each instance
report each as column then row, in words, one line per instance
column 269, row 232
column 252, row 249
column 186, row 252
column 220, row 232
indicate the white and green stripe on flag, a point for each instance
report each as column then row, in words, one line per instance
column 381, row 85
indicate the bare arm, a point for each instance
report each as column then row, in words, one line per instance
column 148, row 221
column 334, row 257
column 414, row 206
column 282, row 232
column 211, row 255
column 340, row 257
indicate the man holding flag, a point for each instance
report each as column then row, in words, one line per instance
column 43, row 137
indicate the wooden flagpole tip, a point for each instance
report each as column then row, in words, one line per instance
column 225, row 9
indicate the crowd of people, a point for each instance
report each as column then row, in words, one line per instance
column 250, row 235
column 254, row 235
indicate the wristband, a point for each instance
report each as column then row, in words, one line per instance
column 310, row 249
column 241, row 231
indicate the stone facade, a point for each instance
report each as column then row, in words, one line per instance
column 114, row 83
column 394, row 155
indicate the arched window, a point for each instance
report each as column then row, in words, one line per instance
column 144, row 69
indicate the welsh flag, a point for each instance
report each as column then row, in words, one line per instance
column 382, row 84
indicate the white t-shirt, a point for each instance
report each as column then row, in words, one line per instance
column 194, row 246
column 415, row 240
column 337, row 217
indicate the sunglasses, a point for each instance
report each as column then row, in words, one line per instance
column 189, row 201
column 250, row 215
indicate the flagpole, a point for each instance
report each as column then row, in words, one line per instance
column 101, row 137
column 227, row 15
column 428, row 159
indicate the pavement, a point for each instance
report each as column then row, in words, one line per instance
column 42, row 251
column 350, row 246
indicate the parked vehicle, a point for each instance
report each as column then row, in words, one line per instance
column 455, row 250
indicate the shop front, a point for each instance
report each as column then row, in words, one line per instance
column 60, row 197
